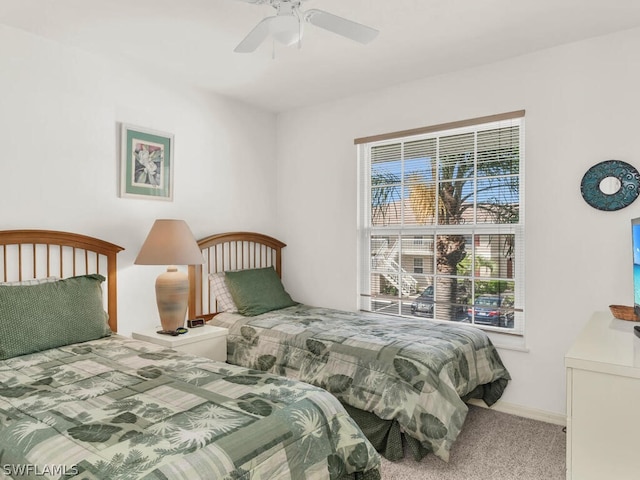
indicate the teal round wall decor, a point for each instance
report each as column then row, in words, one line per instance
column 624, row 178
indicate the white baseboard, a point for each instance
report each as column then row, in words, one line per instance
column 521, row 411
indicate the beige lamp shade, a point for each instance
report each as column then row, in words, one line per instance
column 170, row 242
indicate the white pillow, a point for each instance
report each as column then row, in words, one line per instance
column 220, row 292
column 31, row 281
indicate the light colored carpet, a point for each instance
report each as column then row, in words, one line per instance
column 492, row 446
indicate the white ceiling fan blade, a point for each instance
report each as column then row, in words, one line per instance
column 255, row 37
column 341, row 26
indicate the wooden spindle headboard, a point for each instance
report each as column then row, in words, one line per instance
column 224, row 252
column 30, row 254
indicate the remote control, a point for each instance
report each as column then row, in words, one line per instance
column 636, row 330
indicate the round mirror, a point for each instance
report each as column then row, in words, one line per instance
column 610, row 185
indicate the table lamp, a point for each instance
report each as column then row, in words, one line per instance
column 170, row 242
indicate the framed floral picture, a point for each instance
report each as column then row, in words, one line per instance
column 146, row 168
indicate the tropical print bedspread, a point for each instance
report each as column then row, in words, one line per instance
column 415, row 372
column 117, row 408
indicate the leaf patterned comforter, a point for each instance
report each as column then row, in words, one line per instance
column 117, row 408
column 415, row 372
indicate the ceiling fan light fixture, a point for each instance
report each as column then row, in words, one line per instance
column 285, row 29
column 286, row 26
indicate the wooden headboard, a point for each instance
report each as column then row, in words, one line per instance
column 224, row 252
column 29, row 254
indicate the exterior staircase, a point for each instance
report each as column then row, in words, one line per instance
column 385, row 263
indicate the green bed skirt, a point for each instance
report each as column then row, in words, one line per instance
column 386, row 436
column 369, row 475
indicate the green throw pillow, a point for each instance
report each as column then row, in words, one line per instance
column 257, row 291
column 38, row 317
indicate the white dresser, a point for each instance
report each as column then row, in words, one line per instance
column 603, row 401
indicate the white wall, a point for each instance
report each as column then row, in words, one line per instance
column 59, row 116
column 59, row 111
column 581, row 100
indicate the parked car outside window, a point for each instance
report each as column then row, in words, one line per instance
column 423, row 304
column 490, row 310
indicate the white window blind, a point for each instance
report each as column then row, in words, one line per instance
column 451, row 200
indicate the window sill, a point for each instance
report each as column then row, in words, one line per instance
column 508, row 341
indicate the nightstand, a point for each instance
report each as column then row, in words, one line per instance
column 207, row 341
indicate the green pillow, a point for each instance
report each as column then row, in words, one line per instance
column 257, row 291
column 49, row 315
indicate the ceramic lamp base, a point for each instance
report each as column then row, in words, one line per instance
column 172, row 294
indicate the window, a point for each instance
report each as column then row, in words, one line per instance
column 441, row 222
column 418, row 265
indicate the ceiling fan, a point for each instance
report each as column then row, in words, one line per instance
column 287, row 24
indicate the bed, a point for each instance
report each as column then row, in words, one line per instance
column 404, row 382
column 79, row 401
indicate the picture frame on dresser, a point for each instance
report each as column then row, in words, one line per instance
column 146, row 163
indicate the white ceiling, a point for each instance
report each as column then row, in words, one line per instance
column 193, row 40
